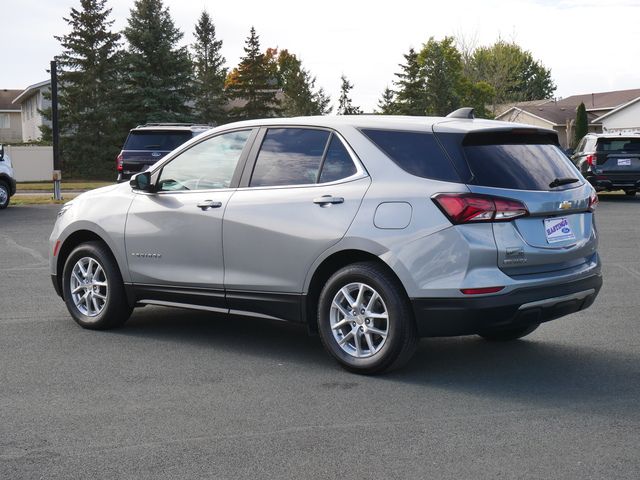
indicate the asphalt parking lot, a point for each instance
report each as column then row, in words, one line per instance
column 180, row 394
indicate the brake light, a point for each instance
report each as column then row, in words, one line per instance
column 593, row 201
column 592, row 159
column 119, row 162
column 469, row 208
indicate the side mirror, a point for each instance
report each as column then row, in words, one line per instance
column 142, row 181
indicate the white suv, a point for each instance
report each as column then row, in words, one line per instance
column 7, row 179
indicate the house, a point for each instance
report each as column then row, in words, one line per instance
column 10, row 118
column 31, row 102
column 606, row 111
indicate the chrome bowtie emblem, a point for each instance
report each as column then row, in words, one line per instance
column 565, row 205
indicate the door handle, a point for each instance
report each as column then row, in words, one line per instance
column 207, row 204
column 326, row 200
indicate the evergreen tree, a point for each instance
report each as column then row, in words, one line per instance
column 345, row 105
column 298, row 86
column 444, row 81
column 89, row 134
column 582, row 124
column 158, row 82
column 411, row 95
column 387, row 103
column 253, row 84
column 210, row 73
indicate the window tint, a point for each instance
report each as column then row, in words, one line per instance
column 415, row 152
column 156, row 140
column 619, row 145
column 519, row 166
column 206, row 165
column 289, row 156
column 337, row 164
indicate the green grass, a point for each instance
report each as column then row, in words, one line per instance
column 71, row 185
column 20, row 200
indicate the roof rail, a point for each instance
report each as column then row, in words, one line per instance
column 161, row 124
column 464, row 112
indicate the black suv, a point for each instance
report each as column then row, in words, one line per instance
column 610, row 161
column 146, row 144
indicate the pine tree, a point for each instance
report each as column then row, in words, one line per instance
column 411, row 95
column 298, row 86
column 252, row 84
column 210, row 73
column 387, row 103
column 345, row 105
column 89, row 132
column 582, row 124
column 444, row 81
column 158, row 81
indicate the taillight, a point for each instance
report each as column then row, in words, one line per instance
column 592, row 159
column 470, row 207
column 119, row 162
column 593, row 201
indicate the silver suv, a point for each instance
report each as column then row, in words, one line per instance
column 372, row 230
column 7, row 179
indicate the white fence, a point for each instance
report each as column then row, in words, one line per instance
column 31, row 164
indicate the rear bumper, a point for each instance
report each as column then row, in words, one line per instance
column 442, row 317
column 608, row 182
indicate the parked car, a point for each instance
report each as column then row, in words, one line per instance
column 610, row 161
column 146, row 144
column 372, row 230
column 7, row 179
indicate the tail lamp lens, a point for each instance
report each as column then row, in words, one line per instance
column 593, row 201
column 119, row 162
column 471, row 208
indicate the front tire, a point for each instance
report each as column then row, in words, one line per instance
column 4, row 195
column 508, row 333
column 93, row 288
column 365, row 319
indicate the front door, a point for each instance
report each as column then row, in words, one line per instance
column 174, row 236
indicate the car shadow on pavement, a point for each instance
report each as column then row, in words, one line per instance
column 528, row 369
column 531, row 369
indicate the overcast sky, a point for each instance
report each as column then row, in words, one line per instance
column 590, row 46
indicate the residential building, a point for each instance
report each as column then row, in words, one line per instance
column 10, row 117
column 606, row 112
column 31, row 102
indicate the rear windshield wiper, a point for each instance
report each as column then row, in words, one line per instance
column 563, row 181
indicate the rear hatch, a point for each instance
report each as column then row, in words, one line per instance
column 526, row 165
column 143, row 147
column 618, row 159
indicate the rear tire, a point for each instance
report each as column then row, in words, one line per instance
column 365, row 319
column 508, row 333
column 93, row 288
column 4, row 195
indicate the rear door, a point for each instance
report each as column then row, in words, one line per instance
column 298, row 200
column 145, row 147
column 558, row 233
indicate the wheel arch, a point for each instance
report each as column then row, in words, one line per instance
column 327, row 267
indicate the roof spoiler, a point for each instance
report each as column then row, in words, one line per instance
column 464, row 112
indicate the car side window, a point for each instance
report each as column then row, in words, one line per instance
column 207, row 165
column 289, row 156
column 337, row 162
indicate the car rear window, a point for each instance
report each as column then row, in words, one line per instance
column 415, row 152
column 166, row 140
column 521, row 162
column 627, row 145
